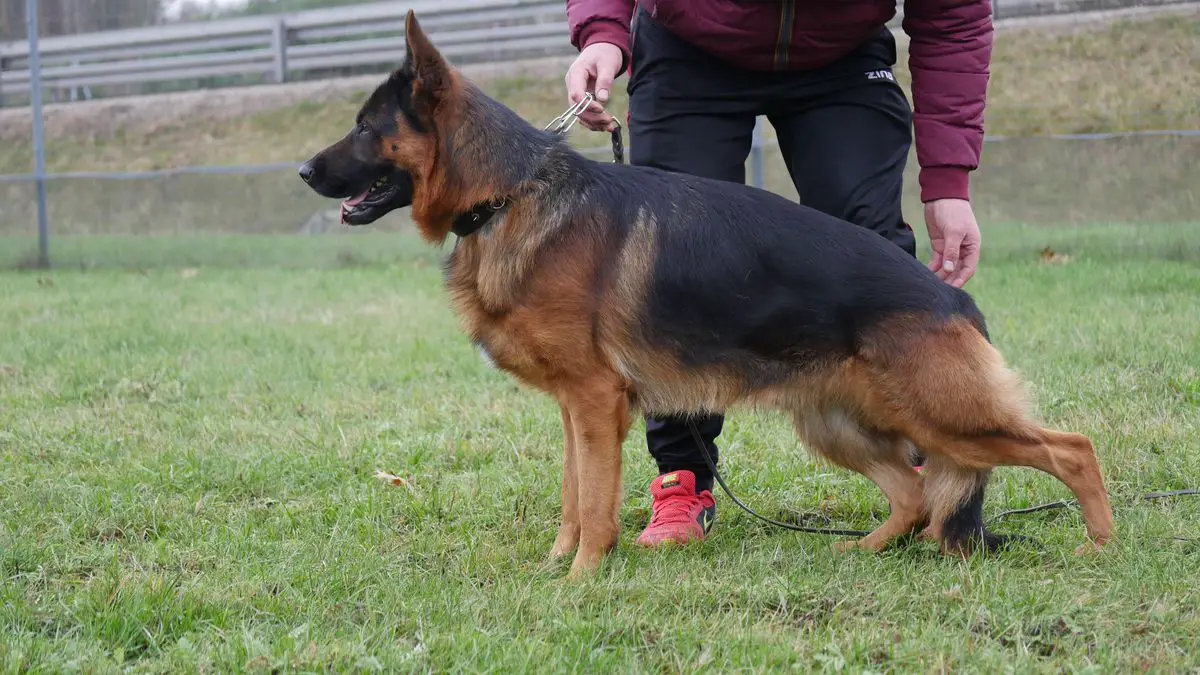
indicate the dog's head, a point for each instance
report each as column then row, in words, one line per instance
column 377, row 166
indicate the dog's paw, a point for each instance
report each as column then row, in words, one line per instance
column 583, row 567
column 565, row 543
column 1091, row 547
column 560, row 551
column 983, row 542
column 995, row 543
column 844, row 546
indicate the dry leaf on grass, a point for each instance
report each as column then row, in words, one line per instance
column 188, row 272
column 1049, row 257
column 392, row 479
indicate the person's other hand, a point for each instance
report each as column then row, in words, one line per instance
column 955, row 238
column 594, row 71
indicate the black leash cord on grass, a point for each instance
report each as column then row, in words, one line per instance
column 859, row 533
column 787, row 526
column 562, row 124
column 1149, row 496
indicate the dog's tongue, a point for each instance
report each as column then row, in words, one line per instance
column 350, row 203
column 354, row 200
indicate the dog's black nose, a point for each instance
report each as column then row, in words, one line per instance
column 306, row 172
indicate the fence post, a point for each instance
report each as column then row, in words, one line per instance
column 756, row 155
column 279, row 43
column 39, row 144
column 1, row 81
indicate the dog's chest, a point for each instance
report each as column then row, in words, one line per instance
column 518, row 310
column 504, row 338
column 506, row 345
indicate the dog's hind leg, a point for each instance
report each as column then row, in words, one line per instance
column 949, row 390
column 1068, row 457
column 954, row 501
column 568, row 529
column 1071, row 458
column 837, row 436
column 903, row 487
column 599, row 416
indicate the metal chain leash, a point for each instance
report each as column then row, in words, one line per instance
column 563, row 123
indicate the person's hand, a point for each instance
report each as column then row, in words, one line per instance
column 955, row 238
column 594, row 71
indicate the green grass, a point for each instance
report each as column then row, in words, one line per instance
column 188, row 441
column 190, row 424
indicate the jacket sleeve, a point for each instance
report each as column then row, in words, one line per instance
column 950, row 52
column 593, row 21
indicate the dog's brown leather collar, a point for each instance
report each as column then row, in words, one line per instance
column 470, row 222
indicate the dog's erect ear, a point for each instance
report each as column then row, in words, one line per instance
column 429, row 71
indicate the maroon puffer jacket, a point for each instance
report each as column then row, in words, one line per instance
column 949, row 53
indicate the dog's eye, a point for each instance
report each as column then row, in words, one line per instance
column 363, row 129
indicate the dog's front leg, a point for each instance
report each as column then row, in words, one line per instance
column 568, row 530
column 600, row 419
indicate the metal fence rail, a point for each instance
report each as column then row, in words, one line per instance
column 277, row 47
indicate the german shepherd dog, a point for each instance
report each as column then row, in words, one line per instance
column 618, row 288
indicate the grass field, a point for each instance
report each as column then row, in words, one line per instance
column 193, row 407
column 187, row 460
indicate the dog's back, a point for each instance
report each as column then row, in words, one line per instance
column 744, row 280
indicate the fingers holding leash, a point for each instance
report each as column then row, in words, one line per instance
column 598, row 121
column 596, row 118
column 594, row 70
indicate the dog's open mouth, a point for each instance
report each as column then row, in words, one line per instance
column 386, row 194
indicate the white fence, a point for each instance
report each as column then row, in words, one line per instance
column 274, row 47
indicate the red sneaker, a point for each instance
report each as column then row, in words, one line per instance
column 679, row 515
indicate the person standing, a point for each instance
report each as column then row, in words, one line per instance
column 702, row 71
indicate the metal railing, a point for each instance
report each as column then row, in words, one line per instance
column 277, row 47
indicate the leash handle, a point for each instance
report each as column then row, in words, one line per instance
column 618, row 144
